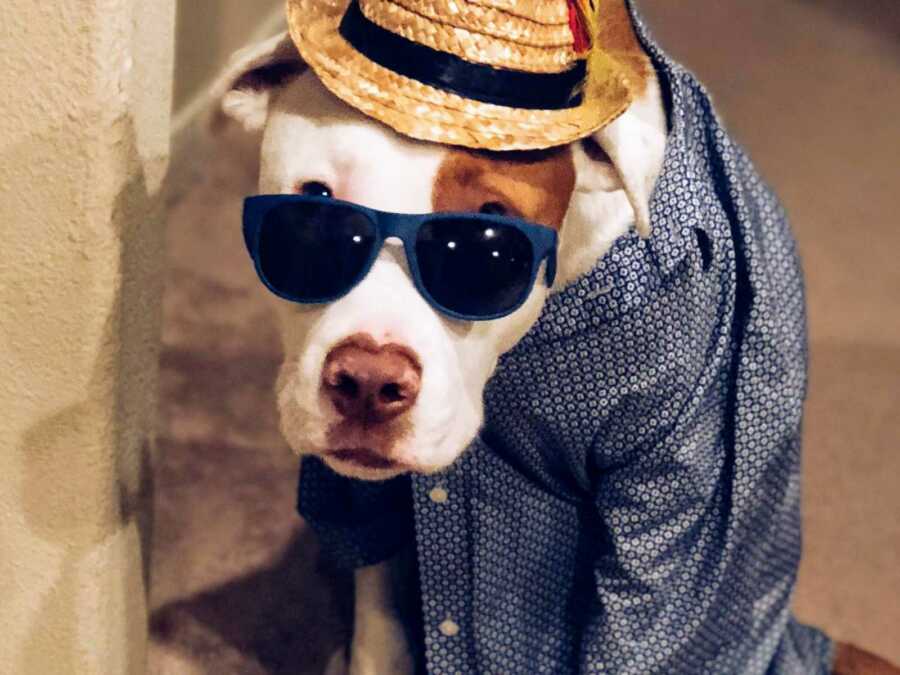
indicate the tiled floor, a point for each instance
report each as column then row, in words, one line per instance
column 813, row 89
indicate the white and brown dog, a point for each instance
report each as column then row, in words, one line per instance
column 378, row 383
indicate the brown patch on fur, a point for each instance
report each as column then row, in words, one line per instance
column 616, row 36
column 850, row 660
column 535, row 185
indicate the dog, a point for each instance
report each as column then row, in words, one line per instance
column 378, row 384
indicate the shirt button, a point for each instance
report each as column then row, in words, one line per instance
column 438, row 495
column 449, row 628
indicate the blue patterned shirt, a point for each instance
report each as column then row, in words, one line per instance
column 632, row 504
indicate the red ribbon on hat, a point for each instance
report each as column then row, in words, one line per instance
column 578, row 24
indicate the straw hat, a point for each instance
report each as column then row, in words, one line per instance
column 493, row 74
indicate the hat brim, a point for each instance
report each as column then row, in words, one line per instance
column 430, row 114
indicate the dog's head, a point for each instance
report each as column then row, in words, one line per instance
column 379, row 383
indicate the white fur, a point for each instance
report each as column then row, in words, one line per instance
column 379, row 640
column 311, row 136
column 636, row 142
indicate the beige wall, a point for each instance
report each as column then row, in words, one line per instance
column 208, row 32
column 85, row 90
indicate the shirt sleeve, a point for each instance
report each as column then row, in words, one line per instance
column 659, row 472
column 696, row 479
column 655, row 574
column 358, row 523
column 693, row 571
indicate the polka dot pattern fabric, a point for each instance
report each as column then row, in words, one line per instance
column 632, row 505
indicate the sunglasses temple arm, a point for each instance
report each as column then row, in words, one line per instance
column 550, row 273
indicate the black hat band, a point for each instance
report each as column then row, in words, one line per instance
column 448, row 72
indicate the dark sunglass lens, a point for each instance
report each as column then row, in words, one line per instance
column 314, row 252
column 474, row 267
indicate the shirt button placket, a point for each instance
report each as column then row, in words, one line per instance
column 443, row 560
column 449, row 628
column 438, row 495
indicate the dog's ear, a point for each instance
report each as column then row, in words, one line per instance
column 635, row 144
column 616, row 170
column 244, row 90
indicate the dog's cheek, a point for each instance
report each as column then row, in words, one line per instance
column 302, row 419
column 295, row 322
column 510, row 329
column 439, row 440
column 291, row 417
column 476, row 351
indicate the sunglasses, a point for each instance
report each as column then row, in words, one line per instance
column 470, row 266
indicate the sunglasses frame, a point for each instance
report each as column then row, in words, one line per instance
column 404, row 227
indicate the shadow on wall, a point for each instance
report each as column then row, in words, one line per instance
column 80, row 503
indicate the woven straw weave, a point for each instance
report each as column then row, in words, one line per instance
column 544, row 11
column 472, row 46
column 480, row 19
column 424, row 112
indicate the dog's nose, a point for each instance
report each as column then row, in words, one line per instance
column 368, row 382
